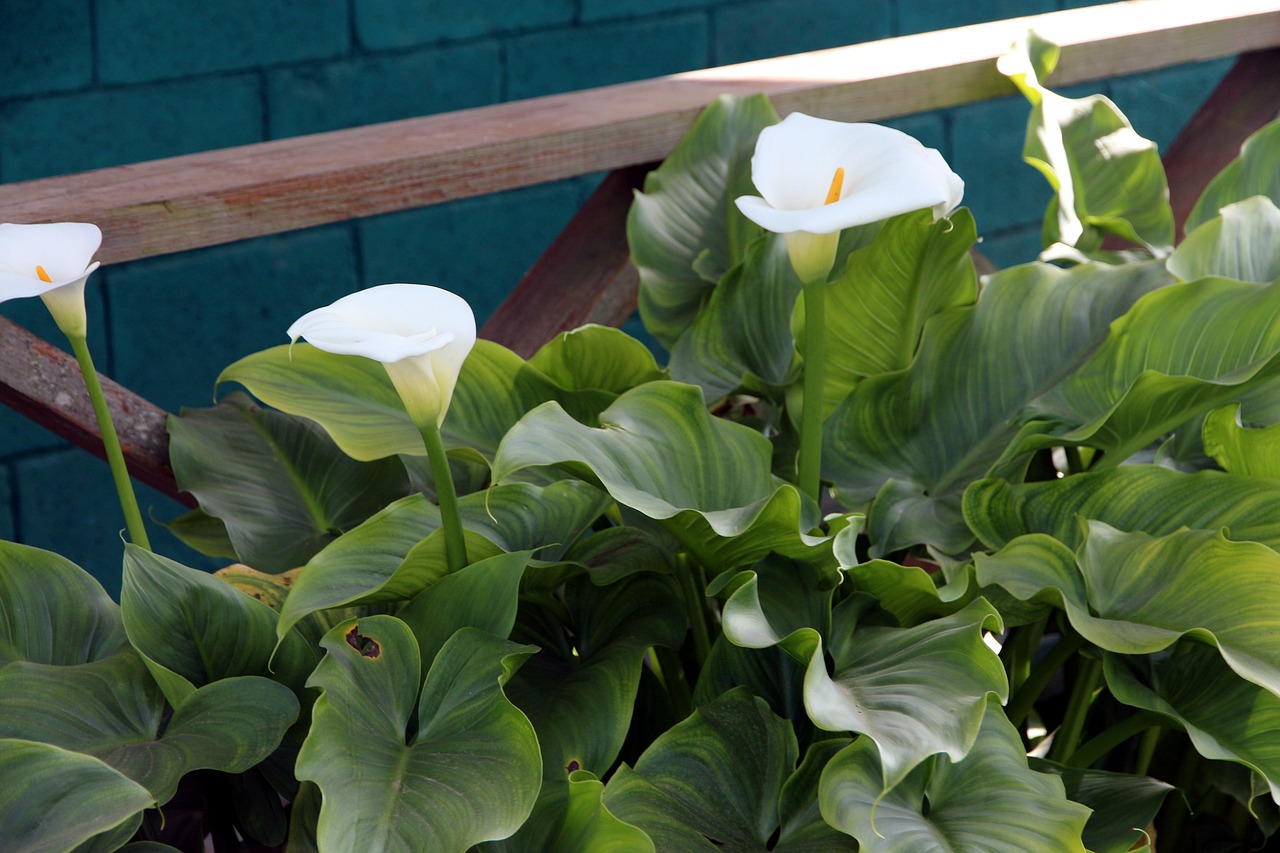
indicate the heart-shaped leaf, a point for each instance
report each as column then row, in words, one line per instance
column 723, row 779
column 684, row 231
column 877, row 308
column 580, row 691
column 278, row 483
column 355, row 402
column 949, row 419
column 595, row 357
column 1146, row 498
column 743, row 333
column 727, row 508
column 1136, row 594
column 38, row 816
column 1225, row 716
column 1109, row 180
column 914, row 691
column 1123, row 805
column 467, row 771
column 990, row 802
column 482, row 595
column 52, row 611
column 1178, row 353
column 192, row 629
column 113, row 710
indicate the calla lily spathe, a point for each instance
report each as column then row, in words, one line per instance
column 818, row 177
column 421, row 335
column 51, row 261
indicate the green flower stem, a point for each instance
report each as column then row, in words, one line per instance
column 454, row 543
column 1041, row 674
column 110, row 441
column 695, row 606
column 665, row 664
column 1064, row 743
column 1090, row 752
column 815, row 345
column 1147, row 750
column 1075, row 465
column 1022, row 651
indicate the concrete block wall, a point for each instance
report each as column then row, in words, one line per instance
column 86, row 84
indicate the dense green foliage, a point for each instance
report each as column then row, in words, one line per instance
column 1041, row 612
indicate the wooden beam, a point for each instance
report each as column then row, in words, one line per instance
column 217, row 197
column 1247, row 98
column 44, row 383
column 585, row 276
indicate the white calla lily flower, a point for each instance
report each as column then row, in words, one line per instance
column 421, row 335
column 52, row 261
column 817, row 177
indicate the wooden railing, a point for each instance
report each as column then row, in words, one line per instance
column 206, row 199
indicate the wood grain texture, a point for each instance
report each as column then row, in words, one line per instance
column 216, row 197
column 44, row 383
column 1247, row 98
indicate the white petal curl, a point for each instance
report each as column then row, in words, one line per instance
column 886, row 173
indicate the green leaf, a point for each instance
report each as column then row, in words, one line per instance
column 1109, row 180
column 1146, row 498
column 281, row 487
column 362, row 564
column 482, row 595
column 589, row 827
column 52, row 611
column 684, row 231
column 726, row 507
column 926, row 432
column 398, row 552
column 580, row 691
column 1123, row 804
column 1132, row 593
column 1255, row 452
column 351, row 397
column 718, row 781
column 1242, row 242
column 204, row 533
column 1225, row 716
column 466, row 772
column 112, row 710
column 907, row 592
column 877, row 308
column 1178, row 353
column 64, row 798
column 596, row 358
column 776, row 599
column 743, row 333
column 990, row 802
column 192, row 629
column 1255, row 172
column 914, row 692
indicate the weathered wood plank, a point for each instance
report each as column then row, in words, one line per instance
column 220, row 196
column 585, row 276
column 1247, row 98
column 44, row 383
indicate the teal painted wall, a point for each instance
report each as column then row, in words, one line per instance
column 92, row 83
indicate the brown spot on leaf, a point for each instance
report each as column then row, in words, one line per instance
column 573, row 765
column 365, row 646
